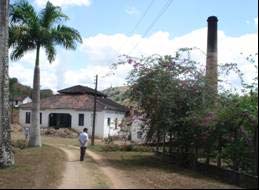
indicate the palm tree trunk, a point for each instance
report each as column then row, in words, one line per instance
column 6, row 154
column 35, row 138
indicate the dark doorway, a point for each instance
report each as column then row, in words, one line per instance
column 59, row 120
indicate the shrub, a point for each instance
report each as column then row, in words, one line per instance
column 141, row 148
column 21, row 144
column 126, row 148
column 111, row 148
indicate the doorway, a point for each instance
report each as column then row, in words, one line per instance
column 59, row 120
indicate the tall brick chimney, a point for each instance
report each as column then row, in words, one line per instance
column 212, row 61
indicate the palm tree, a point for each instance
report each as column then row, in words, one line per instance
column 30, row 30
column 6, row 155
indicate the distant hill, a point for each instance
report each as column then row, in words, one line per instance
column 118, row 94
column 19, row 90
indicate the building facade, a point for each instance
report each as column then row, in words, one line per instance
column 73, row 108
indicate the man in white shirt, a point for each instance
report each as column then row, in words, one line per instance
column 26, row 133
column 83, row 139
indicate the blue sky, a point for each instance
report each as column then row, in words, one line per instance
column 183, row 16
column 106, row 27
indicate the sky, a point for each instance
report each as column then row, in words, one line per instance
column 110, row 28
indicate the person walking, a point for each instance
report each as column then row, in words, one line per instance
column 83, row 139
column 27, row 133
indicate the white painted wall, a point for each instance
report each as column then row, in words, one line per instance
column 27, row 100
column 136, row 127
column 111, row 129
column 101, row 127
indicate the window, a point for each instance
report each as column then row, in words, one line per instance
column 139, row 134
column 108, row 121
column 116, row 123
column 28, row 117
column 40, row 118
column 81, row 120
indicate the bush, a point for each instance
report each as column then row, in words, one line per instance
column 125, row 148
column 108, row 140
column 141, row 148
column 111, row 148
column 21, row 144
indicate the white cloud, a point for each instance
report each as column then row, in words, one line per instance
column 23, row 70
column 103, row 50
column 132, row 11
column 42, row 3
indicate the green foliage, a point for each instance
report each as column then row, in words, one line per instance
column 170, row 91
column 16, row 89
column 19, row 90
column 46, row 93
column 30, row 30
column 21, row 144
column 108, row 140
column 125, row 148
column 119, row 95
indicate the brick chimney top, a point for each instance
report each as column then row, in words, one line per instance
column 212, row 19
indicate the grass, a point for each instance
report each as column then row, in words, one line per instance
column 144, row 169
column 147, row 170
column 34, row 168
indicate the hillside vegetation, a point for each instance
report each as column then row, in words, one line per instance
column 118, row 94
column 17, row 89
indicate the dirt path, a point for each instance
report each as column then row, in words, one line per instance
column 118, row 178
column 74, row 174
column 78, row 176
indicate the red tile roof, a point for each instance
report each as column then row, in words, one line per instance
column 77, row 102
column 81, row 90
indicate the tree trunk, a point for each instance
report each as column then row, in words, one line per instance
column 219, row 152
column 256, row 151
column 158, row 141
column 208, row 155
column 171, row 142
column 164, row 138
column 35, row 138
column 6, row 154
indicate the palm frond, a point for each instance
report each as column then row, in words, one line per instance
column 50, row 51
column 22, row 13
column 51, row 15
column 66, row 36
column 20, row 34
column 19, row 51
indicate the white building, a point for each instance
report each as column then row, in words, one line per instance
column 73, row 108
column 16, row 102
column 137, row 130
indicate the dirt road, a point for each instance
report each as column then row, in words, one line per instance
column 78, row 175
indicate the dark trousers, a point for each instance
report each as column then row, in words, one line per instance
column 82, row 153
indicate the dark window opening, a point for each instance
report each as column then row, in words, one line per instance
column 109, row 121
column 58, row 120
column 40, row 118
column 81, row 120
column 139, row 134
column 28, row 118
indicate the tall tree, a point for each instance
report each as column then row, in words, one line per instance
column 30, row 30
column 6, row 155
